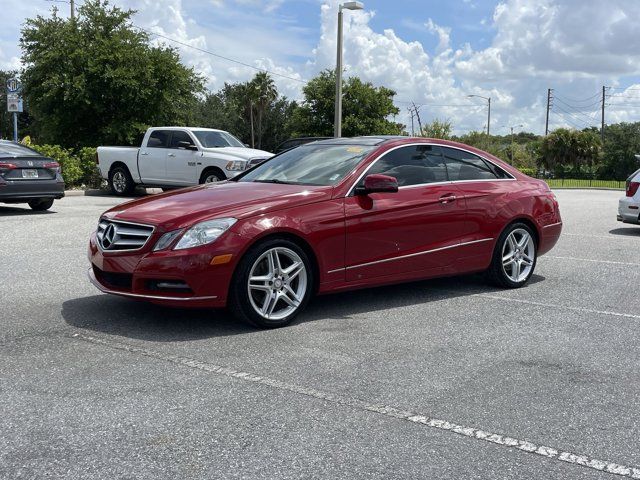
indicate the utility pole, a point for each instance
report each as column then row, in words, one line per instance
column 73, row 10
column 604, row 96
column 417, row 110
column 488, row 118
column 413, row 132
column 546, row 123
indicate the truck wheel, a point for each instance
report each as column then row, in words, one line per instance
column 120, row 181
column 212, row 176
column 40, row 204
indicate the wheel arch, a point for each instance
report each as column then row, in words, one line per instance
column 528, row 222
column 211, row 168
column 117, row 164
column 291, row 236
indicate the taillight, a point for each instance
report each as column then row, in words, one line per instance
column 53, row 166
column 632, row 188
column 7, row 166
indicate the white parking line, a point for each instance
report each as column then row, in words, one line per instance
column 608, row 237
column 471, row 432
column 575, row 259
column 555, row 305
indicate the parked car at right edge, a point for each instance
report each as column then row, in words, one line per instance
column 174, row 157
column 629, row 205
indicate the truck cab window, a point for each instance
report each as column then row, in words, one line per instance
column 158, row 139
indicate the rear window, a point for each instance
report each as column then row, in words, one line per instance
column 633, row 175
column 16, row 150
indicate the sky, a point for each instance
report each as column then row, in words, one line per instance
column 432, row 53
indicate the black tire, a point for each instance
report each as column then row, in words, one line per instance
column 241, row 304
column 120, row 181
column 497, row 272
column 40, row 204
column 212, row 173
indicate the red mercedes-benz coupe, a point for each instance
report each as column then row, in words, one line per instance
column 328, row 216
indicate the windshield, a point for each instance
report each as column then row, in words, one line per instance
column 210, row 139
column 310, row 165
column 15, row 150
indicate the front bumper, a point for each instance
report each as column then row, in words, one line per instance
column 24, row 190
column 144, row 274
column 629, row 210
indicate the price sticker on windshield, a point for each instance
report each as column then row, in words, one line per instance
column 355, row 149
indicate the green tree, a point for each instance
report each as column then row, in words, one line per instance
column 235, row 106
column 97, row 80
column 621, row 144
column 566, row 149
column 438, row 129
column 365, row 109
column 264, row 93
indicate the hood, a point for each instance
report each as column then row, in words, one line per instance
column 241, row 153
column 182, row 208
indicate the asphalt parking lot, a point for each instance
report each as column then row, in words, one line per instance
column 438, row 379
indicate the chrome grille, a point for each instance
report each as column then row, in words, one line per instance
column 118, row 236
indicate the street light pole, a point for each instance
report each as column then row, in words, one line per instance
column 337, row 122
column 488, row 99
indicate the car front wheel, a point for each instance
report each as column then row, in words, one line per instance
column 272, row 284
column 514, row 257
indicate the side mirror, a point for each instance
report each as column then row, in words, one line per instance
column 187, row 145
column 246, row 145
column 378, row 183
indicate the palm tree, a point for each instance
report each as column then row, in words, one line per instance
column 264, row 92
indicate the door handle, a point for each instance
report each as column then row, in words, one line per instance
column 144, row 153
column 449, row 197
column 171, row 155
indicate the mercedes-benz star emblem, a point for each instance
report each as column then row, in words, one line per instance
column 109, row 236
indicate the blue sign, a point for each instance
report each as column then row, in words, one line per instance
column 13, row 85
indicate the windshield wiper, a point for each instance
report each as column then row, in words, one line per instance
column 275, row 180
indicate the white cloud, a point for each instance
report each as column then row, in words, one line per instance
column 572, row 46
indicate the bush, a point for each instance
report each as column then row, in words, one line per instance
column 78, row 168
column 528, row 171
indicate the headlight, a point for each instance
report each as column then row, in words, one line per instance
column 204, row 232
column 166, row 239
column 237, row 165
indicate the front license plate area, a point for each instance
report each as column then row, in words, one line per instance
column 29, row 173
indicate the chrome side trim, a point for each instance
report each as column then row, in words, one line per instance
column 401, row 257
column 552, row 225
column 103, row 289
column 350, row 191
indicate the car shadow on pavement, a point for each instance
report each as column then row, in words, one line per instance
column 15, row 211
column 628, row 232
column 144, row 321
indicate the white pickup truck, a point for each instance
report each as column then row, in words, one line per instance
column 172, row 157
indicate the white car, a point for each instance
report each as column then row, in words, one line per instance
column 172, row 157
column 629, row 205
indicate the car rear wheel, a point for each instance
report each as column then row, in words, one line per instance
column 514, row 257
column 40, row 204
column 120, row 181
column 273, row 283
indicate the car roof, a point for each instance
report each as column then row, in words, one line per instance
column 365, row 140
column 188, row 128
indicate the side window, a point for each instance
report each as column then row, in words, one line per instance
column 463, row 165
column 178, row 136
column 412, row 165
column 158, row 139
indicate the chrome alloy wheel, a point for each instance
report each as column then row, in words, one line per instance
column 211, row 178
column 119, row 181
column 518, row 255
column 277, row 283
